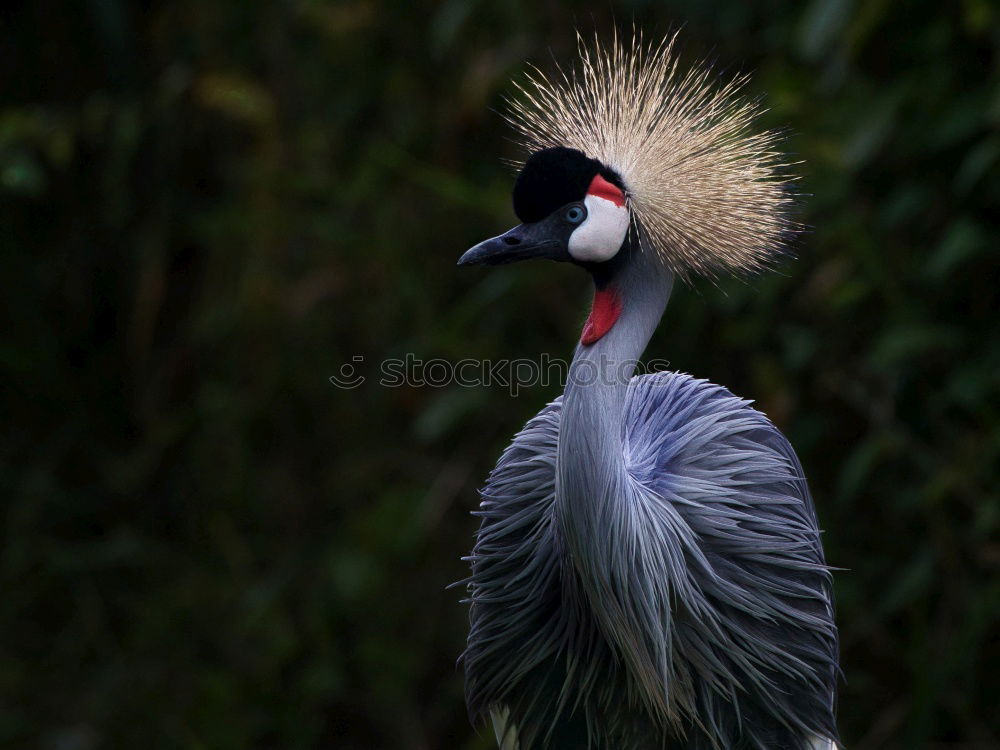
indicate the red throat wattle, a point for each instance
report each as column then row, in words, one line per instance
column 603, row 315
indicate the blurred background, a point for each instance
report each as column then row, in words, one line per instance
column 208, row 208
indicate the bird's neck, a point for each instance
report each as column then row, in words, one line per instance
column 590, row 458
column 599, row 510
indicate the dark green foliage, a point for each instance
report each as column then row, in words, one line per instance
column 207, row 208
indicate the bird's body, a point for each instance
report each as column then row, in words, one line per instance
column 556, row 628
column 648, row 572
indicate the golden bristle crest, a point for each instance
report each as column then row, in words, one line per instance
column 709, row 194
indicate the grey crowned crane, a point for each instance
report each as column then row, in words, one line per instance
column 648, row 572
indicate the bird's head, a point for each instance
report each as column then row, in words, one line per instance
column 630, row 155
column 573, row 208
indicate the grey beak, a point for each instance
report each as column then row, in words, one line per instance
column 521, row 243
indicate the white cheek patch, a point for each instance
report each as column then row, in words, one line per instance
column 601, row 235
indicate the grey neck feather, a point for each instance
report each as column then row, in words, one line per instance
column 595, row 504
column 590, row 453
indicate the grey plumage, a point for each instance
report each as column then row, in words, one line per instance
column 655, row 579
column 534, row 642
column 648, row 573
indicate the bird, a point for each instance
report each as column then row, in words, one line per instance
column 648, row 570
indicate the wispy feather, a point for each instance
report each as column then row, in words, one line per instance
column 709, row 193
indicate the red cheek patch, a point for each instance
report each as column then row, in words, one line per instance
column 601, row 188
column 603, row 315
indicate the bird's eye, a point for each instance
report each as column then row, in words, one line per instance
column 575, row 214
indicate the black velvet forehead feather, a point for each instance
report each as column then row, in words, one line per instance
column 553, row 177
